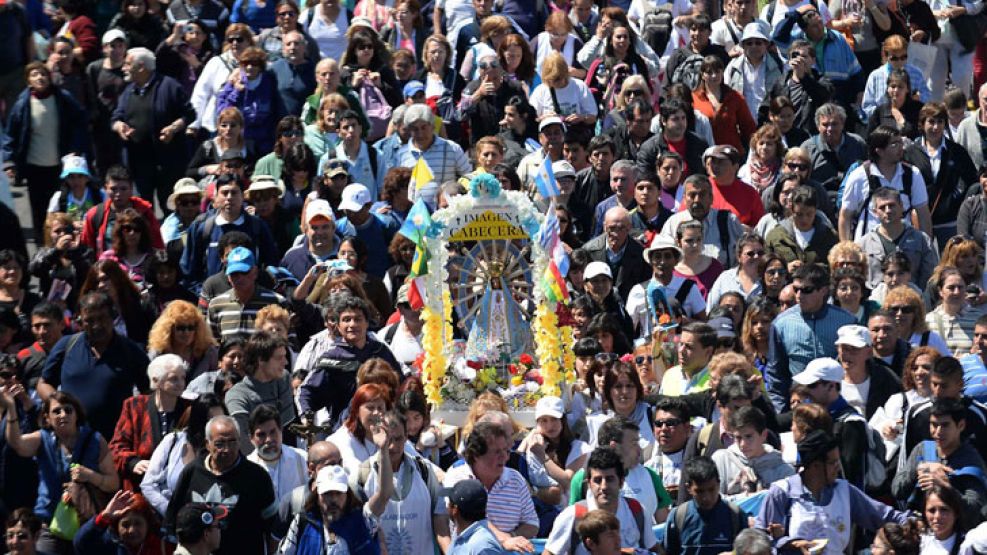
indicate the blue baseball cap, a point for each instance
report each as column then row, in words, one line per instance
column 412, row 88
column 240, row 259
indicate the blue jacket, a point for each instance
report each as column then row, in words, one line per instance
column 169, row 103
column 93, row 539
column 72, row 137
column 201, row 257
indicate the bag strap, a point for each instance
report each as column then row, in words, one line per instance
column 683, row 293
column 555, row 101
column 925, row 338
column 579, row 513
column 638, row 511
column 722, row 220
column 679, row 517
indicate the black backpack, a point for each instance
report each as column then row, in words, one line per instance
column 689, row 71
column 874, row 183
column 656, row 27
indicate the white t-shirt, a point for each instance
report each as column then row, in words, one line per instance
column 638, row 485
column 932, row 546
column 856, row 394
column 668, row 466
column 802, row 238
column 574, row 98
column 407, row 524
column 352, row 450
column 456, row 11
column 857, row 188
column 330, row 37
column 559, row 539
column 637, row 302
column 287, row 473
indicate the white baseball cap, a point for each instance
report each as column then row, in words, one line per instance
column 820, row 370
column 332, row 478
column 318, row 208
column 854, row 336
column 355, row 197
column 597, row 268
column 549, row 406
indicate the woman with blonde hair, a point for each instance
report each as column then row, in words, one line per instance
column 488, row 401
column 321, row 135
column 229, row 137
column 238, row 37
column 847, row 254
column 436, row 73
column 764, row 158
column 493, row 30
column 563, row 96
column 558, row 36
column 181, row 330
column 635, row 87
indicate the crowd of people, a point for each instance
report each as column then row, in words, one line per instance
column 774, row 215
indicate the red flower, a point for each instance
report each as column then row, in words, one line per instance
column 535, row 376
column 526, row 359
column 475, row 364
column 512, row 369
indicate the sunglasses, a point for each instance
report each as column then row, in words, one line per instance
column 904, row 309
column 796, row 166
column 641, row 359
column 129, row 229
column 754, row 254
column 668, row 423
column 606, row 358
column 292, row 133
column 185, row 328
column 234, row 39
column 289, row 13
column 365, row 47
column 805, row 289
column 901, row 58
column 634, row 92
column 188, row 202
column 488, row 65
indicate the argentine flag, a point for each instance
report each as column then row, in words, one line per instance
column 545, row 180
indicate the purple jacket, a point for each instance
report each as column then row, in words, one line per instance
column 262, row 108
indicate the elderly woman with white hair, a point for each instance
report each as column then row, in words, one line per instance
column 145, row 419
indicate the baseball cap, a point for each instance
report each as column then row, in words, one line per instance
column 549, row 406
column 240, row 259
column 355, row 197
column 332, row 478
column 334, row 166
column 318, row 208
column 854, row 336
column 597, row 268
column 73, row 164
column 563, row 168
column 723, row 327
column 550, row 120
column 659, row 243
column 403, row 294
column 112, row 35
column 412, row 88
column 726, row 152
column 197, row 517
column 184, row 186
column 820, row 370
column 468, row 495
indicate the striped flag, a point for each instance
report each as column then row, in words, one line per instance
column 421, row 174
column 416, row 292
column 545, row 180
column 553, row 280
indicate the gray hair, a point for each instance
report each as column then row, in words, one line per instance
column 618, row 212
column 625, row 164
column 162, row 364
column 830, row 110
column 416, row 113
column 752, row 541
column 142, row 56
column 221, row 419
column 397, row 116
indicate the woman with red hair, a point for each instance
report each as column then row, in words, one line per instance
column 125, row 527
column 366, row 411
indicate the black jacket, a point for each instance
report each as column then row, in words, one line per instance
column 947, row 189
column 72, row 128
column 883, row 384
column 807, row 94
column 647, row 156
column 630, row 271
column 485, row 114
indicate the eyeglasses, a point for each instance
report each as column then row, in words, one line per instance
column 634, row 92
column 233, row 39
column 668, row 423
column 805, row 289
column 187, row 328
column 796, row 166
column 492, row 64
column 904, row 309
column 641, row 359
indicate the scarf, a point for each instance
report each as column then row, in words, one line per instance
column 44, row 94
column 762, row 175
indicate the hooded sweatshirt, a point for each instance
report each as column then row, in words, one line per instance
column 740, row 475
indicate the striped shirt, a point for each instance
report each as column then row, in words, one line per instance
column 445, row 158
column 227, row 316
column 796, row 338
column 956, row 330
column 509, row 502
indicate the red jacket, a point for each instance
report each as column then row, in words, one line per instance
column 137, row 433
column 732, row 124
column 83, row 31
column 94, row 232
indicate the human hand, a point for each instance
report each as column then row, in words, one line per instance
column 11, row 174
column 118, row 505
column 536, row 444
column 776, row 530
column 124, row 131
column 141, row 467
column 81, row 474
column 380, row 436
column 918, row 36
column 375, row 78
column 168, row 133
column 518, row 543
column 65, row 242
column 890, row 430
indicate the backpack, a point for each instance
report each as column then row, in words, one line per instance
column 688, row 71
column 376, row 108
column 607, row 98
column 736, row 516
column 656, row 27
column 873, row 184
column 431, row 482
column 875, row 471
column 581, row 508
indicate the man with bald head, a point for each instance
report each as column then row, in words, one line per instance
column 225, row 477
column 620, row 251
column 295, row 72
column 721, row 228
column 320, row 455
